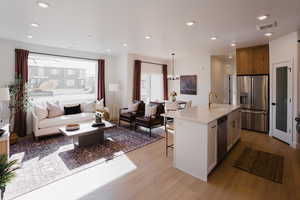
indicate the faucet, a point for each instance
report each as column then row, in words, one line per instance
column 211, row 94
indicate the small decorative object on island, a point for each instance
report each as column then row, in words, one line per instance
column 72, row 127
column 7, row 172
column 173, row 96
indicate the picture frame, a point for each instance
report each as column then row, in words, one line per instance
column 188, row 84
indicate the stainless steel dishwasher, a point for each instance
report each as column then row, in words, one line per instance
column 222, row 138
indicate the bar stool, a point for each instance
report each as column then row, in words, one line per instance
column 169, row 122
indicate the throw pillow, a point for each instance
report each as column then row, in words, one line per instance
column 72, row 110
column 54, row 109
column 41, row 111
column 150, row 110
column 133, row 107
column 89, row 107
column 100, row 104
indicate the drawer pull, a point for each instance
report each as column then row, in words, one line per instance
column 214, row 126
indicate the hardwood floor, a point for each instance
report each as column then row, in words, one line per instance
column 155, row 178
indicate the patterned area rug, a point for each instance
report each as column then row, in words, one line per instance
column 55, row 157
column 263, row 164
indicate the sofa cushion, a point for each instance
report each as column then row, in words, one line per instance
column 100, row 104
column 66, row 119
column 41, row 111
column 150, row 110
column 89, row 107
column 55, row 109
column 72, row 110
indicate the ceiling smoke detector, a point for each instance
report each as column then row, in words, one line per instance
column 266, row 26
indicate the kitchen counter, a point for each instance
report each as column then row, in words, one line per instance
column 203, row 114
column 204, row 136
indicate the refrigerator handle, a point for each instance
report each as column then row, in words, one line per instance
column 252, row 93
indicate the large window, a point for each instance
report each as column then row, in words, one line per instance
column 151, row 83
column 66, row 79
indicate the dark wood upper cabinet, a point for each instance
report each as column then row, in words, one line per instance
column 253, row 60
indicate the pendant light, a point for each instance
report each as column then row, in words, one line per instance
column 173, row 77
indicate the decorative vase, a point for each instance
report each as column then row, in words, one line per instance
column 173, row 98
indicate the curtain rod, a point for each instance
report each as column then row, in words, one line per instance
column 152, row 63
column 48, row 54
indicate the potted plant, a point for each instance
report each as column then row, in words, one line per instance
column 19, row 101
column 173, row 95
column 7, row 172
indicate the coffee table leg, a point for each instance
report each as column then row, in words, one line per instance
column 90, row 139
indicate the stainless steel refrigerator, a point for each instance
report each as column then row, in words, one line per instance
column 254, row 100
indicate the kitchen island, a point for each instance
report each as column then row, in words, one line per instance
column 203, row 137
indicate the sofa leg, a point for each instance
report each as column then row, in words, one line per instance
column 150, row 132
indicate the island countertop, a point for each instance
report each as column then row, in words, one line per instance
column 202, row 114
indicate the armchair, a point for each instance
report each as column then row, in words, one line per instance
column 153, row 121
column 129, row 116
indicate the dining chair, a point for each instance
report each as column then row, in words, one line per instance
column 169, row 122
column 188, row 105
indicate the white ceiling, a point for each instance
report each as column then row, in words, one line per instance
column 97, row 25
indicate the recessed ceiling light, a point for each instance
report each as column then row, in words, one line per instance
column 29, row 36
column 233, row 44
column 263, row 17
column 148, row 37
column 42, row 4
column 213, row 38
column 268, row 34
column 191, row 23
column 34, row 25
column 108, row 50
column 125, row 45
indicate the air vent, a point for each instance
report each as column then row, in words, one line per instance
column 264, row 27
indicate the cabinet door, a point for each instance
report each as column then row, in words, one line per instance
column 230, row 131
column 261, row 59
column 244, row 59
column 212, row 145
column 237, row 127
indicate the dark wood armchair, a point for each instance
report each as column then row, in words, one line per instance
column 154, row 121
column 129, row 116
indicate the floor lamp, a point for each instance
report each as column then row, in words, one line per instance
column 114, row 89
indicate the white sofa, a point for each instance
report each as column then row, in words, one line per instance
column 50, row 126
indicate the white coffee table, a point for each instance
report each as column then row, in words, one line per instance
column 88, row 135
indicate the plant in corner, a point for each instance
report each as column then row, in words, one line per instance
column 7, row 172
column 19, row 100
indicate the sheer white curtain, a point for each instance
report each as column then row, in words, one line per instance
column 151, row 83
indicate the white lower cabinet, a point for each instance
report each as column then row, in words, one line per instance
column 233, row 128
column 212, row 145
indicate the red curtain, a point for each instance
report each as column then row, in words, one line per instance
column 21, row 72
column 101, row 80
column 165, row 81
column 137, row 80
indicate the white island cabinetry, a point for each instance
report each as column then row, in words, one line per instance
column 196, row 137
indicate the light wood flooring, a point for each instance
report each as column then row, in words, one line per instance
column 155, row 178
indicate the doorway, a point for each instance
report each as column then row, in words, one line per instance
column 282, row 102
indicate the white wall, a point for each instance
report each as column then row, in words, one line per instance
column 7, row 63
column 220, row 72
column 194, row 63
column 126, row 66
column 283, row 49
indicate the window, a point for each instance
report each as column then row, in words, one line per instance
column 151, row 83
column 65, row 79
